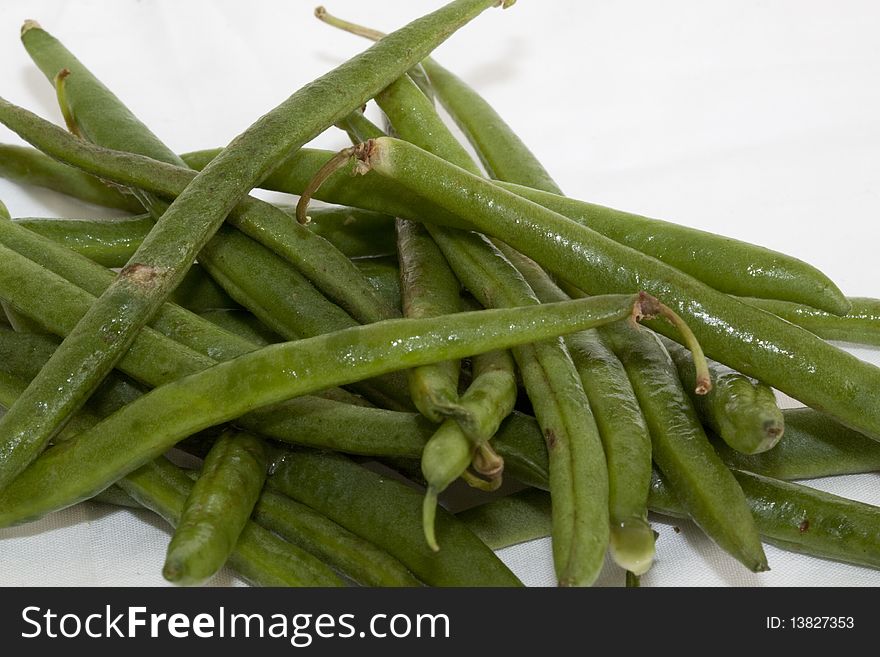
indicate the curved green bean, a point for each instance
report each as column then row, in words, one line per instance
column 82, row 467
column 217, row 508
column 578, row 474
column 311, row 421
column 790, row 516
column 388, row 513
column 860, row 325
column 741, row 410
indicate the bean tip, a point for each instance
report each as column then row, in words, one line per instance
column 320, row 11
column 28, row 25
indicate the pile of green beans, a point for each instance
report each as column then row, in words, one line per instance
column 333, row 370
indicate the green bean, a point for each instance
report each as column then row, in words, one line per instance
column 217, row 508
column 428, row 289
column 860, row 325
column 799, row 518
column 259, row 556
column 31, row 167
column 4, row 211
column 512, row 519
column 484, row 405
column 313, row 421
column 681, row 449
column 142, row 430
column 744, row 338
column 739, row 409
column 622, row 428
column 723, row 263
column 355, row 557
column 388, row 514
column 720, row 262
column 243, row 324
column 814, row 446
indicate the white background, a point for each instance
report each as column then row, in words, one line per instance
column 753, row 118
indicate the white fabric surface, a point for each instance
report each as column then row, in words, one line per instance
column 757, row 120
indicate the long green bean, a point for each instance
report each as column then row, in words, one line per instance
column 681, row 449
column 747, row 339
column 142, row 430
column 622, row 428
